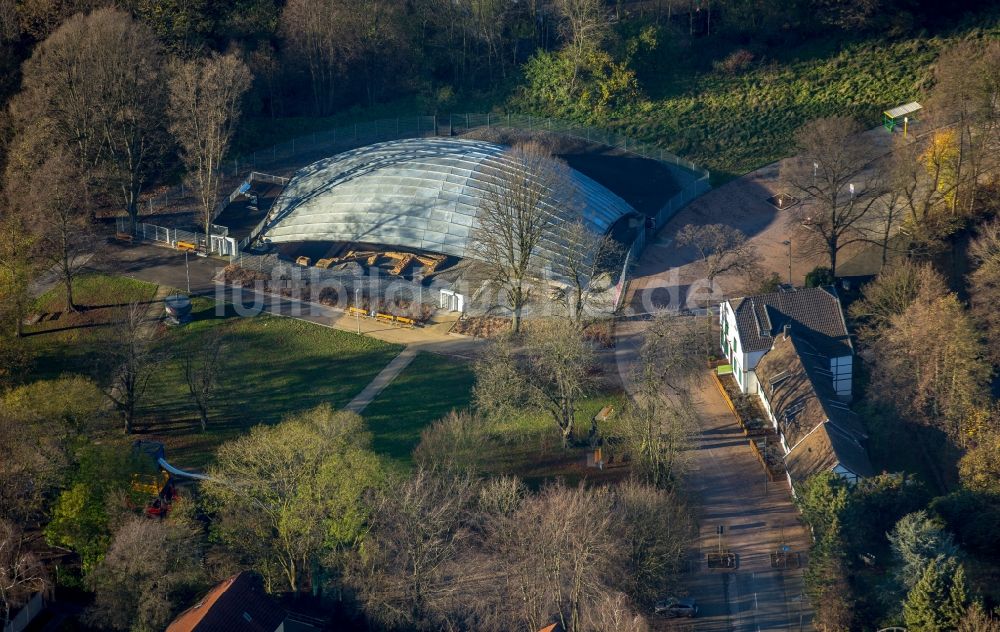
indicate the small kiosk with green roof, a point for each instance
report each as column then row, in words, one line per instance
column 902, row 115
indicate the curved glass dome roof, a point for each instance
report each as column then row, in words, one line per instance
column 420, row 193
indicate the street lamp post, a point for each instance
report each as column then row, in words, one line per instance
column 788, row 243
column 187, row 272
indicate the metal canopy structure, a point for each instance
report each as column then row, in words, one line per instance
column 421, row 193
column 891, row 118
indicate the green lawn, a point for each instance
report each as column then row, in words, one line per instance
column 527, row 445
column 530, row 446
column 425, row 391
column 276, row 366
column 70, row 342
column 272, row 367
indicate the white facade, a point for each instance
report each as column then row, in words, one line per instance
column 743, row 363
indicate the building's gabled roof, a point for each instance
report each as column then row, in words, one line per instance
column 238, row 604
column 814, row 313
column 823, row 450
column 820, row 431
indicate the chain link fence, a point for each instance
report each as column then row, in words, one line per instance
column 289, row 156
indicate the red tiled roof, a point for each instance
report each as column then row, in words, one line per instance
column 238, row 604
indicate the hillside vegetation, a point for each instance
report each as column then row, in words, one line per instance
column 735, row 122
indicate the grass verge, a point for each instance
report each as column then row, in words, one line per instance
column 272, row 367
column 423, row 392
column 70, row 342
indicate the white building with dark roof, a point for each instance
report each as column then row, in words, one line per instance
column 792, row 349
column 750, row 325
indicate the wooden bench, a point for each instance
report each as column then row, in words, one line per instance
column 125, row 237
column 187, row 246
column 406, row 322
column 357, row 311
column 385, row 318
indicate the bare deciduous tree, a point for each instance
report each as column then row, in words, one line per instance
column 658, row 422
column 316, row 31
column 21, row 572
column 672, row 353
column 977, row 619
column 17, row 269
column 722, row 248
column 202, row 365
column 656, row 434
column 205, row 104
column 883, row 222
column 94, row 87
column 832, row 168
column 584, row 25
column 513, row 218
column 420, row 529
column 554, row 554
column 587, row 254
column 928, row 363
column 132, row 360
column 967, row 94
column 151, row 569
column 551, row 372
column 654, row 527
column 614, row 611
column 457, row 440
column 65, row 234
column 984, row 284
column 890, row 294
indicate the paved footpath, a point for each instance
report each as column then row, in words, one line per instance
column 383, row 379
